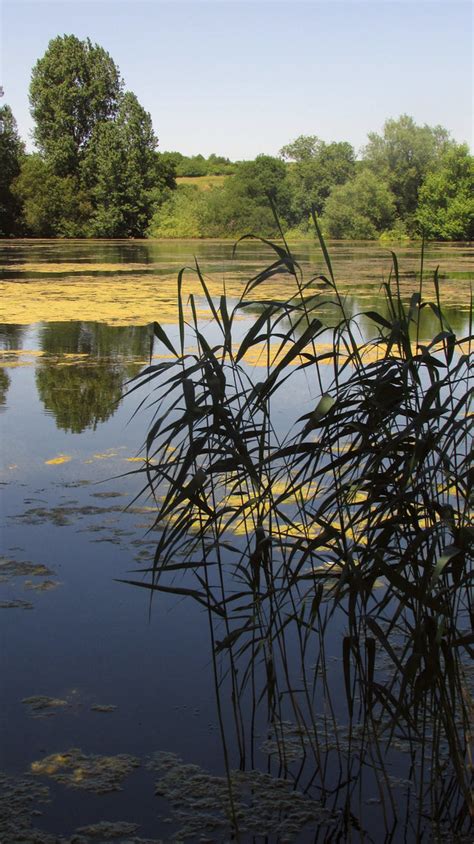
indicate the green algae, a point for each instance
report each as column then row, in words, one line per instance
column 16, row 604
column 18, row 806
column 43, row 586
column 103, row 707
column 15, row 568
column 200, row 802
column 106, row 830
column 43, row 706
column 75, row 769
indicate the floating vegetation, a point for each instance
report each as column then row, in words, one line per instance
column 16, row 568
column 18, row 806
column 16, row 604
column 75, row 769
column 43, row 586
column 21, row 799
column 110, row 494
column 263, row 804
column 103, row 707
column 43, row 706
column 106, row 830
column 59, row 460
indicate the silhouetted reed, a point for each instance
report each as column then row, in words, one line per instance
column 333, row 557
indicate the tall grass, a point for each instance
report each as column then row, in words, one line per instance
column 334, row 557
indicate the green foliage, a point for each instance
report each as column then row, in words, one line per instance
column 446, row 200
column 303, row 148
column 219, row 165
column 396, row 234
column 179, row 215
column 51, row 205
column 228, row 211
column 359, row 209
column 244, row 200
column 403, row 156
column 317, row 169
column 75, row 86
column 195, row 165
column 120, row 169
column 11, row 153
column 98, row 173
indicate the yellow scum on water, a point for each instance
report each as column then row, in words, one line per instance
column 57, row 461
column 129, row 296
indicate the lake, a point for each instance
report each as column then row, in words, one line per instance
column 103, row 694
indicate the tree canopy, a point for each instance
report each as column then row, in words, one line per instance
column 96, row 172
column 120, row 169
column 11, row 154
column 74, row 86
column 446, row 200
column 403, row 155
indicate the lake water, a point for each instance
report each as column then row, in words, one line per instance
column 93, row 683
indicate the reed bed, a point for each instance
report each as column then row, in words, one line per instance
column 334, row 557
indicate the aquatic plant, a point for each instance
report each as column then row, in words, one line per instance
column 333, row 556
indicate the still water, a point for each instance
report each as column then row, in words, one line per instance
column 95, row 682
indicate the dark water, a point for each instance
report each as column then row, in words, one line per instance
column 71, row 632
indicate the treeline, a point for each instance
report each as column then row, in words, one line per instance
column 97, row 172
column 409, row 180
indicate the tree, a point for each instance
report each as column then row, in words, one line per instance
column 195, row 165
column 11, row 153
column 317, row 168
column 301, row 149
column 121, row 171
column 359, row 209
column 446, row 198
column 243, row 204
column 74, row 87
column 52, row 205
column 403, row 156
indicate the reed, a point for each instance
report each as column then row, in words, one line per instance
column 332, row 556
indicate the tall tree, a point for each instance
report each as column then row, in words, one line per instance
column 74, row 86
column 317, row 168
column 11, row 153
column 121, row 169
column 403, row 155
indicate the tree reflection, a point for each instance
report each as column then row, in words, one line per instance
column 4, row 385
column 82, row 394
column 11, row 336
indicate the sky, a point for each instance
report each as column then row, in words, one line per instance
column 240, row 78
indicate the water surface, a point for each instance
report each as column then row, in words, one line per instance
column 85, row 664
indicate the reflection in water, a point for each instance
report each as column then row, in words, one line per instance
column 4, row 385
column 79, row 397
column 11, row 336
column 82, row 393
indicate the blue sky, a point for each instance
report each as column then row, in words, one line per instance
column 240, row 78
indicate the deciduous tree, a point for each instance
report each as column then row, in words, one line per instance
column 403, row 155
column 446, row 198
column 74, row 87
column 11, row 153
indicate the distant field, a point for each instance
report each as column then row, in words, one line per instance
column 202, row 182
